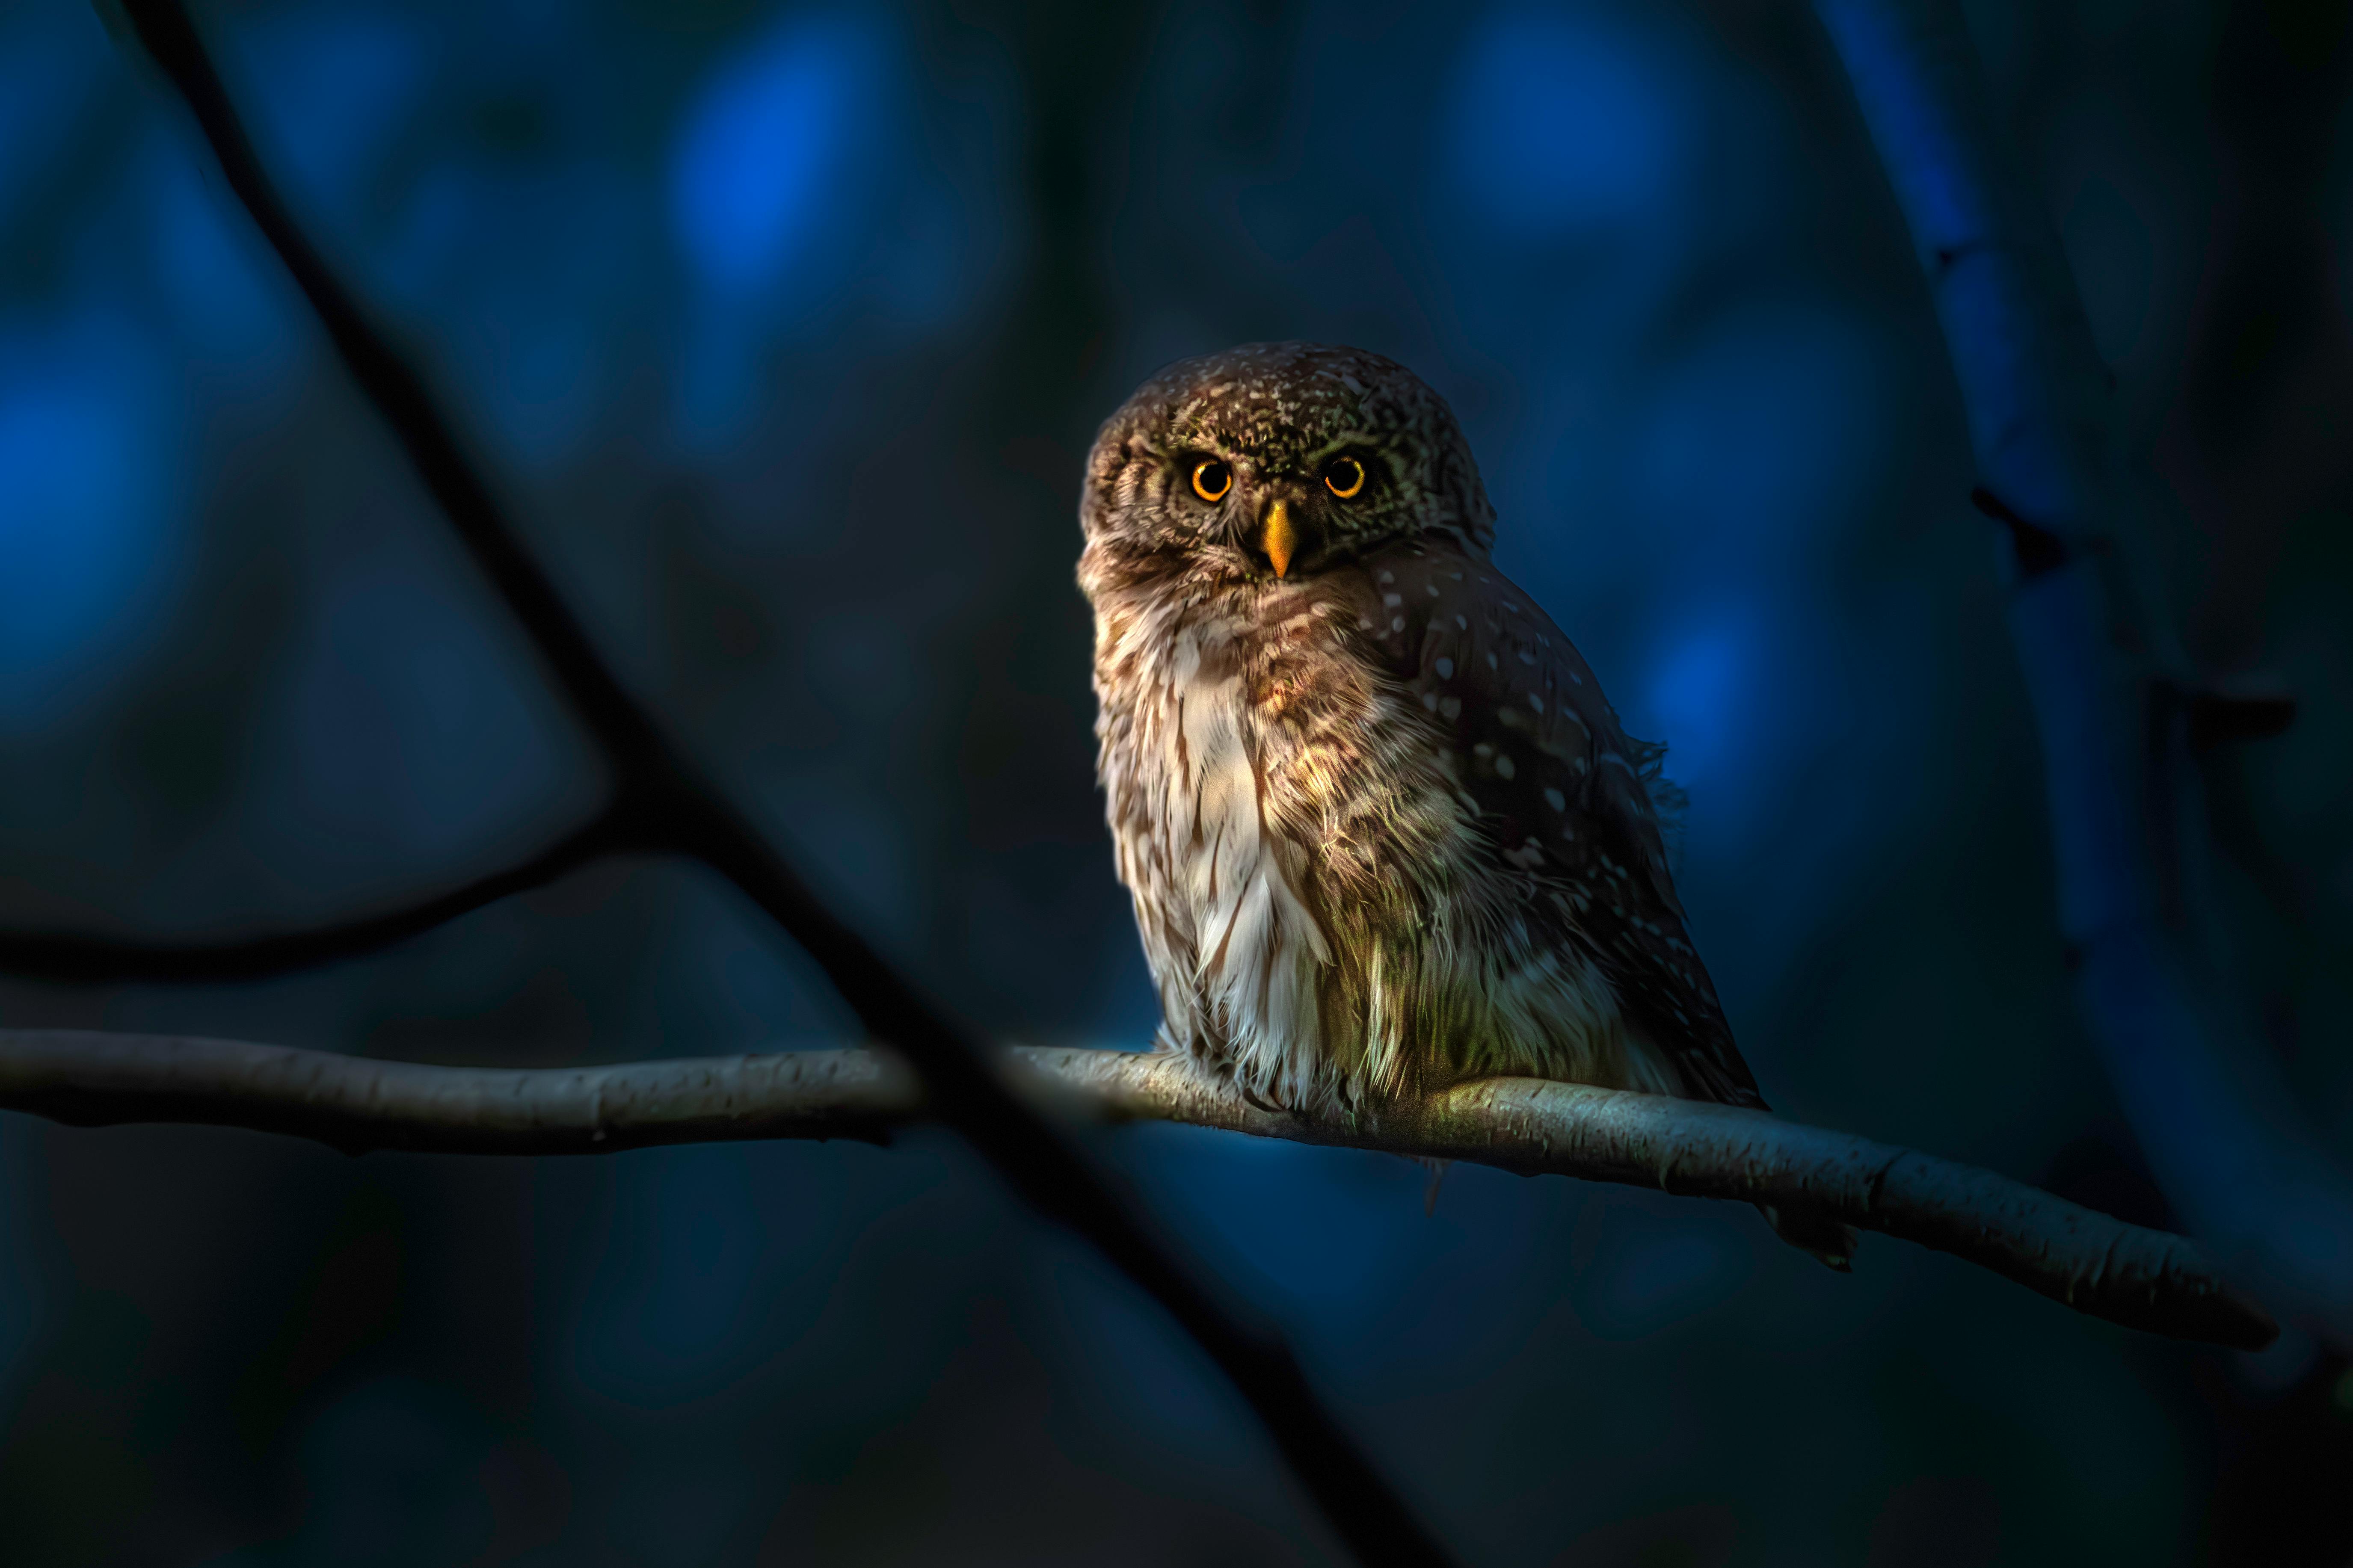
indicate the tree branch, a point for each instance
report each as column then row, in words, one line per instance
column 598, row 698
column 74, row 958
column 2141, row 1278
column 965, row 1090
column 2106, row 673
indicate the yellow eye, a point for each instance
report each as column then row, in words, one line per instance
column 1212, row 480
column 1345, row 477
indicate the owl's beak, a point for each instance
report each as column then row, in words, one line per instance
column 1277, row 538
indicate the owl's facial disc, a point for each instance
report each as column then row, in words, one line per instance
column 1271, row 464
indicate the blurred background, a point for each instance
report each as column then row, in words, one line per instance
column 785, row 329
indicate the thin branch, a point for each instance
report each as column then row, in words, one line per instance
column 2141, row 1278
column 623, row 727
column 75, row 958
column 1041, row 1163
column 2106, row 675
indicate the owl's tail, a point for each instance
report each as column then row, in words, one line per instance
column 1810, row 1230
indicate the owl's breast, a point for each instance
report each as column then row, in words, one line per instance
column 1240, row 744
column 1321, row 905
column 1268, row 729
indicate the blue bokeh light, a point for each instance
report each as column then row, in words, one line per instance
column 87, row 538
column 1560, row 123
column 759, row 152
column 1700, row 689
column 766, row 208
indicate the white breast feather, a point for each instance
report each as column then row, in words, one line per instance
column 1258, row 947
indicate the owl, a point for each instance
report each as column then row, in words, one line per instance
column 1383, row 831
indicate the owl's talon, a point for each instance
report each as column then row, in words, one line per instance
column 1260, row 1101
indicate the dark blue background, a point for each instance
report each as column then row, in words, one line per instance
column 785, row 329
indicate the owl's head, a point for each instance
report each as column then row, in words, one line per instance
column 1276, row 460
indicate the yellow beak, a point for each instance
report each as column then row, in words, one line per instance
column 1278, row 539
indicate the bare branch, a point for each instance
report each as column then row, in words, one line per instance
column 358, row 1105
column 620, row 723
column 2141, row 1278
column 73, row 958
column 2114, row 701
column 1049, row 1170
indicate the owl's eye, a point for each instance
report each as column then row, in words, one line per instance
column 1212, row 480
column 1344, row 476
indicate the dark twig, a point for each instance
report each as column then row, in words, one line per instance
column 2035, row 549
column 1034, row 1156
column 2106, row 673
column 2219, row 717
column 76, row 959
column 2141, row 1278
column 630, row 738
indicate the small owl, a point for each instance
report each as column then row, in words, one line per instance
column 1383, row 830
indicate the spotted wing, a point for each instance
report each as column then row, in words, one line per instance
column 1564, row 794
